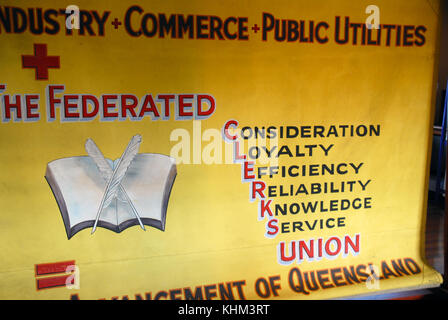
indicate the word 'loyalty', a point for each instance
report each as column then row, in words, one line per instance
column 307, row 150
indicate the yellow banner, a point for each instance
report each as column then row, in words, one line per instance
column 215, row 150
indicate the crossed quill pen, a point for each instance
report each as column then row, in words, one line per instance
column 114, row 177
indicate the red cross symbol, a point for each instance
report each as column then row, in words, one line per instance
column 116, row 23
column 40, row 61
column 255, row 28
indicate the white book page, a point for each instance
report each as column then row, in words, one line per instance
column 82, row 188
column 145, row 183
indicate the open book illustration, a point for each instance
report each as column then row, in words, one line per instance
column 92, row 191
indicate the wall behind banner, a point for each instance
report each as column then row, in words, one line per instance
column 301, row 156
column 442, row 63
column 443, row 74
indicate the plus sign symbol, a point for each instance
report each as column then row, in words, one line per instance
column 116, row 23
column 256, row 28
column 40, row 61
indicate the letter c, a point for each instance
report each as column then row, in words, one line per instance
column 226, row 134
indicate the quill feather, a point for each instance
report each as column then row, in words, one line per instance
column 103, row 166
column 106, row 172
column 114, row 182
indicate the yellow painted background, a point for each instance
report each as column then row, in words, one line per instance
column 212, row 233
